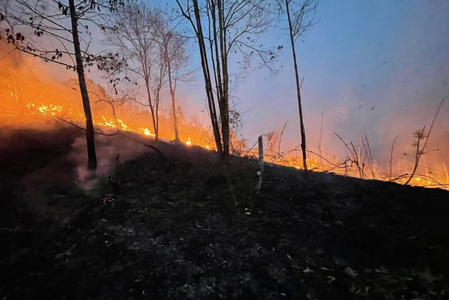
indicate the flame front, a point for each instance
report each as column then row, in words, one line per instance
column 27, row 98
column 51, row 110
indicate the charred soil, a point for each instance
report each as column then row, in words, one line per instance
column 189, row 228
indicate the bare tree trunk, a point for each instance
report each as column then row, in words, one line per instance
column 207, row 76
column 172, row 95
column 297, row 81
column 220, row 72
column 152, row 110
column 92, row 158
column 174, row 111
column 157, row 112
column 224, row 109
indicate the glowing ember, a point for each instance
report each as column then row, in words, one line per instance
column 106, row 122
column 188, row 142
column 145, row 131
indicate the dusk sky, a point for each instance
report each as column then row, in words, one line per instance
column 374, row 66
column 391, row 55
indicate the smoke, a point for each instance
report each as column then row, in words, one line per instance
column 112, row 151
column 350, row 110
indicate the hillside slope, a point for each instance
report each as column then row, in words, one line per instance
column 192, row 229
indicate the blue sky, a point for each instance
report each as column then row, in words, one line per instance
column 378, row 67
column 391, row 55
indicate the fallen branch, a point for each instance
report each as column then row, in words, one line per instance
column 248, row 151
column 423, row 176
column 98, row 131
column 333, row 164
column 160, row 154
column 154, row 148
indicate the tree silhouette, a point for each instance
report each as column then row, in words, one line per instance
column 36, row 27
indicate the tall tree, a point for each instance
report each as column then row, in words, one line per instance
column 300, row 17
column 36, row 19
column 198, row 28
column 231, row 27
column 92, row 157
column 133, row 30
column 176, row 57
column 157, row 81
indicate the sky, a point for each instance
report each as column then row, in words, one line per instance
column 378, row 66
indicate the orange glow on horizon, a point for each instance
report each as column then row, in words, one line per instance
column 27, row 98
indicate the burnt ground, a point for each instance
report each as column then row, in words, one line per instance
column 192, row 229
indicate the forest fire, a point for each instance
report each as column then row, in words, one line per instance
column 33, row 99
column 27, row 98
column 315, row 162
column 69, row 115
column 296, row 149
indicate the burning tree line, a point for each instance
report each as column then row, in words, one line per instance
column 146, row 46
column 151, row 51
column 149, row 47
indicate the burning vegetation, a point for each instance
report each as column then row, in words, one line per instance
column 28, row 98
column 149, row 57
column 112, row 190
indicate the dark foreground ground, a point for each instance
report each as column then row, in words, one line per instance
column 191, row 229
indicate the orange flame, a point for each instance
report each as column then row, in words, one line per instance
column 26, row 97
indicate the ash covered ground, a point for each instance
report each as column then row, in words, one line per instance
column 188, row 228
